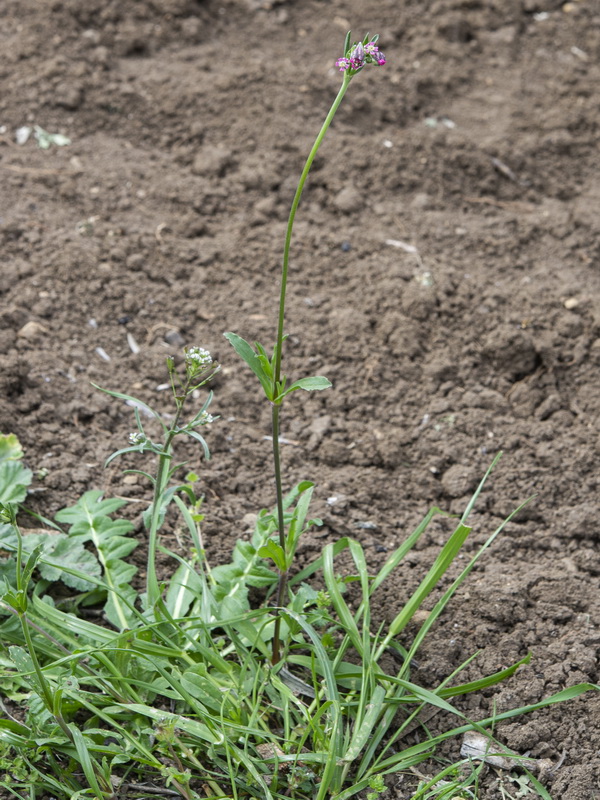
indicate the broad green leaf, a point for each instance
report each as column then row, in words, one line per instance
column 90, row 521
column 248, row 568
column 88, row 508
column 8, row 568
column 10, row 448
column 24, row 663
column 246, row 352
column 58, row 552
column 73, row 555
column 275, row 552
column 14, row 480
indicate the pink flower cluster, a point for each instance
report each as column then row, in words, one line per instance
column 360, row 55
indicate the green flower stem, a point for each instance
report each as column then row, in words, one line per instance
column 283, row 576
column 290, row 225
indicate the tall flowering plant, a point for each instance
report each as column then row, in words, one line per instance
column 267, row 367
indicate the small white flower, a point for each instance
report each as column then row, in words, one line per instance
column 137, row 438
column 206, row 418
column 198, row 357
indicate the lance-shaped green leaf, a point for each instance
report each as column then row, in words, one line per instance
column 315, row 384
column 133, row 402
column 195, row 435
column 195, row 729
column 246, row 352
column 297, row 524
column 184, row 587
column 121, row 598
column 364, row 727
column 267, row 364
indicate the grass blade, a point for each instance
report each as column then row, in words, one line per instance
column 364, row 726
column 440, row 565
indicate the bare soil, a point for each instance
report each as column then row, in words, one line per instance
column 445, row 277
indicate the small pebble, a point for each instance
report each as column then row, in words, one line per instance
column 32, row 330
column 133, row 345
column 174, row 338
column 22, row 134
column 348, row 199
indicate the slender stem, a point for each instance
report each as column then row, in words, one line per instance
column 152, row 587
column 283, row 575
column 290, row 225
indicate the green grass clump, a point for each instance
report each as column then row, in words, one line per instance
column 183, row 694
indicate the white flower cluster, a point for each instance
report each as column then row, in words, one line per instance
column 137, row 438
column 206, row 418
column 198, row 357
